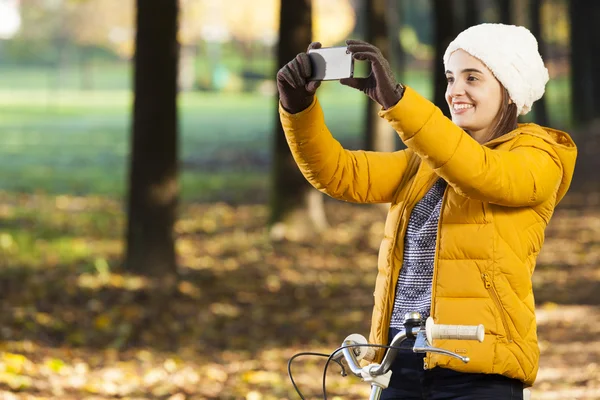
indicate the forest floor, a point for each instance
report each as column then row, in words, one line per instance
column 74, row 326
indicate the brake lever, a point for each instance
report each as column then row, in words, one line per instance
column 422, row 346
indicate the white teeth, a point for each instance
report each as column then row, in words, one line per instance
column 462, row 106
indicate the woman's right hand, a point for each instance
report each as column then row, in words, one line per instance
column 296, row 92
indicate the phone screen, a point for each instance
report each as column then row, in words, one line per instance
column 331, row 63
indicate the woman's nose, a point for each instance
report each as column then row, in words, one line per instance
column 456, row 89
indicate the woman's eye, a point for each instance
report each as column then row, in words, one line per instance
column 471, row 78
column 449, row 79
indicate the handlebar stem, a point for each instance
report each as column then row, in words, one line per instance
column 379, row 374
column 390, row 355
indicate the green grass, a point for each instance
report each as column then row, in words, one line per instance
column 78, row 142
column 71, row 141
column 106, row 76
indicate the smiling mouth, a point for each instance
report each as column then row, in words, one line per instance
column 460, row 108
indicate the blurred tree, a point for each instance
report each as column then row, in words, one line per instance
column 467, row 13
column 519, row 12
column 153, row 188
column 471, row 13
column 504, row 12
column 189, row 35
column 446, row 30
column 379, row 136
column 86, row 25
column 555, row 25
column 585, row 60
column 398, row 57
column 296, row 207
column 45, row 29
column 332, row 20
column 540, row 112
column 450, row 18
column 394, row 15
column 94, row 23
column 105, row 24
column 255, row 24
column 417, row 17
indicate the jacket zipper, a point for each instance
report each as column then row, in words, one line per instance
column 427, row 359
column 490, row 287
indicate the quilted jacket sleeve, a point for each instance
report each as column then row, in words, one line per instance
column 526, row 175
column 355, row 176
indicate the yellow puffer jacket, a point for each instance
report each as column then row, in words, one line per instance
column 499, row 199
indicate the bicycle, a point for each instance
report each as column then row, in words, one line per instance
column 356, row 348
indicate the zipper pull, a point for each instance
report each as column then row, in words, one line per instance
column 486, row 280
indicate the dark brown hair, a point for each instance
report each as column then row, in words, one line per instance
column 506, row 119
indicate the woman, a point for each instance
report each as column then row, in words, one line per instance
column 470, row 200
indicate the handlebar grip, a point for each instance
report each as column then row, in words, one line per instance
column 362, row 350
column 459, row 332
column 369, row 354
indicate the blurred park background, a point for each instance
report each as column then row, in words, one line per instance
column 157, row 241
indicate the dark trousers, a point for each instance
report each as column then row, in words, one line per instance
column 410, row 381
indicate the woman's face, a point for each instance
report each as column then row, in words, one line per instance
column 473, row 94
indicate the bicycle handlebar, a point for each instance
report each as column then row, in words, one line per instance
column 355, row 348
column 458, row 332
column 423, row 343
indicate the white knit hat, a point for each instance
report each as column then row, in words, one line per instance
column 511, row 53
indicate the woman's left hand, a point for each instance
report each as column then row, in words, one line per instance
column 381, row 84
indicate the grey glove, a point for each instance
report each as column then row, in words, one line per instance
column 381, row 84
column 296, row 92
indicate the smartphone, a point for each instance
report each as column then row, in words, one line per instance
column 331, row 63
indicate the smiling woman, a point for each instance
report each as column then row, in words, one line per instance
column 470, row 200
column 478, row 102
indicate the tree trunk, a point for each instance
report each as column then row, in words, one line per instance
column 539, row 107
column 153, row 188
column 379, row 136
column 504, row 11
column 445, row 32
column 296, row 207
column 471, row 13
column 594, row 37
column 519, row 12
column 582, row 68
column 397, row 56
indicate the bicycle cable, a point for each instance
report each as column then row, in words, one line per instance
column 329, row 359
column 305, row 354
column 378, row 346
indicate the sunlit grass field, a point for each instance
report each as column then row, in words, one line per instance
column 71, row 141
column 79, row 142
column 56, row 142
column 74, row 141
